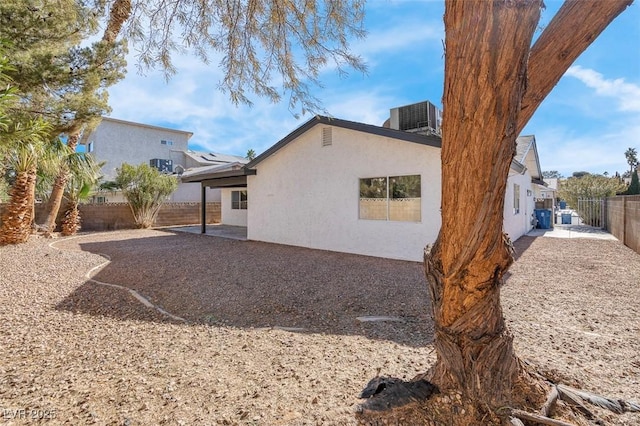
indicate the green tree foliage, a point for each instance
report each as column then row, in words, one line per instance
column 25, row 145
column 551, row 174
column 259, row 42
column 52, row 69
column 57, row 75
column 251, row 154
column 634, row 186
column 145, row 189
column 631, row 155
column 30, row 148
column 588, row 187
column 84, row 175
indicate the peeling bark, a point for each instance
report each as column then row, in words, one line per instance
column 494, row 82
column 487, row 49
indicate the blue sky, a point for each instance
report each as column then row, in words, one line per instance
column 586, row 123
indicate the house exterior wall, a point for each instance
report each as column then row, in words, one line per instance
column 518, row 224
column 230, row 216
column 308, row 194
column 117, row 142
column 192, row 191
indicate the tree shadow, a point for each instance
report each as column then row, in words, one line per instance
column 247, row 284
column 521, row 245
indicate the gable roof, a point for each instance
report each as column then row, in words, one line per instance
column 526, row 152
column 527, row 155
column 430, row 140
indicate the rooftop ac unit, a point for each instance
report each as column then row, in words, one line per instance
column 165, row 166
column 420, row 117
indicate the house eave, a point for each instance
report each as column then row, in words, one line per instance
column 429, row 140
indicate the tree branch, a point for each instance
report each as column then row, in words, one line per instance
column 576, row 25
column 524, row 415
column 548, row 406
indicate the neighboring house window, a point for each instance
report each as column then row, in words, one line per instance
column 90, row 147
column 516, row 198
column 238, row 200
column 396, row 198
column 164, row 142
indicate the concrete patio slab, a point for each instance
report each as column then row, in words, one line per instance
column 572, row 231
column 216, row 230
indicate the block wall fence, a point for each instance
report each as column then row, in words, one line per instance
column 112, row 216
column 623, row 219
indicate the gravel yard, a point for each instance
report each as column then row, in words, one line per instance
column 76, row 352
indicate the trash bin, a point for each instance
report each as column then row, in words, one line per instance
column 563, row 205
column 566, row 218
column 544, row 218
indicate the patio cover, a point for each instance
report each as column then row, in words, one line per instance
column 233, row 175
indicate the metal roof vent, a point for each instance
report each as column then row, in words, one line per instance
column 327, row 137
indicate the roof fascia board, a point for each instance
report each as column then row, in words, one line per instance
column 226, row 182
column 149, row 126
column 434, row 141
column 517, row 166
column 535, row 151
column 217, row 175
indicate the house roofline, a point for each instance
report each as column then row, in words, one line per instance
column 429, row 140
column 149, row 126
column 517, row 166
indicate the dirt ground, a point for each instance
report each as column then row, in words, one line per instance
column 270, row 335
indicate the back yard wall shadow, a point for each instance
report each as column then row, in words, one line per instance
column 216, row 281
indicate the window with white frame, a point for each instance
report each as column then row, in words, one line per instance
column 166, row 142
column 238, row 200
column 394, row 198
column 516, row 198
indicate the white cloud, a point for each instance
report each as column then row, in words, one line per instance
column 627, row 94
column 570, row 150
column 399, row 37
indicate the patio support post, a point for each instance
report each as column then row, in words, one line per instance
column 203, row 210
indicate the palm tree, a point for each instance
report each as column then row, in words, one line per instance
column 28, row 147
column 632, row 158
column 84, row 174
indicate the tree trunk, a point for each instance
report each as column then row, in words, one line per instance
column 487, row 49
column 118, row 15
column 16, row 220
column 57, row 192
column 488, row 99
column 71, row 220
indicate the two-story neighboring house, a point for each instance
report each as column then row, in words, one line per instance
column 118, row 141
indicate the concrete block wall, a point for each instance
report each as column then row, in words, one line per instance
column 623, row 219
column 112, row 216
